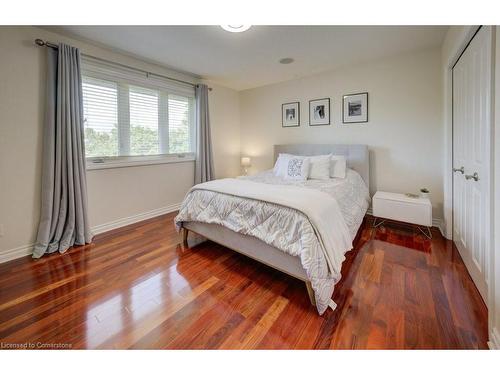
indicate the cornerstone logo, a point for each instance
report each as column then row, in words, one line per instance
column 35, row 345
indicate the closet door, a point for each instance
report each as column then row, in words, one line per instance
column 471, row 156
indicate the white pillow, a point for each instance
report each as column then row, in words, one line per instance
column 319, row 167
column 338, row 166
column 281, row 164
column 297, row 169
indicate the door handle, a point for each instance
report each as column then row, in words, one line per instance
column 461, row 170
column 474, row 176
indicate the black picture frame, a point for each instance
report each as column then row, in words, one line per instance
column 283, row 115
column 329, row 111
column 343, row 108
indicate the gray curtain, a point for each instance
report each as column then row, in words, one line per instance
column 204, row 167
column 63, row 217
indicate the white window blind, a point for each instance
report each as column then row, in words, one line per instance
column 129, row 116
column 179, row 128
column 100, row 106
column 144, row 132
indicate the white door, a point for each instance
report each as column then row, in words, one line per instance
column 471, row 156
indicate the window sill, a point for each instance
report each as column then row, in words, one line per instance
column 123, row 162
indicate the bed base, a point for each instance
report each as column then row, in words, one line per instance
column 255, row 249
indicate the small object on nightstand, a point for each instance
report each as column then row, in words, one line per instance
column 411, row 195
column 400, row 207
column 245, row 163
column 424, row 193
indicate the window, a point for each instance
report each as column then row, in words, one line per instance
column 129, row 117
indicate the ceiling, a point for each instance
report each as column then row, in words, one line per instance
column 250, row 59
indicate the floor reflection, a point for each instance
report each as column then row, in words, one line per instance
column 104, row 320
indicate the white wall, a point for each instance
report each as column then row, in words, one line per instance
column 404, row 131
column 114, row 194
column 225, row 126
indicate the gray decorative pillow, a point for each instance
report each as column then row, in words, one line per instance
column 297, row 169
column 294, row 167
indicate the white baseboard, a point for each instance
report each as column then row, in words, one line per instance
column 15, row 253
column 134, row 218
column 439, row 224
column 25, row 250
column 494, row 342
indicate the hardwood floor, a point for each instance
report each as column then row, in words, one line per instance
column 136, row 287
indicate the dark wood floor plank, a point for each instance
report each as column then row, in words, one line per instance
column 138, row 287
column 286, row 331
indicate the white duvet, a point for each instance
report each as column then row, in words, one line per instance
column 315, row 220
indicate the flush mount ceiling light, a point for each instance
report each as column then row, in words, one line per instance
column 236, row 28
column 286, row 60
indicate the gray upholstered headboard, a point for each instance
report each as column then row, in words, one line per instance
column 357, row 155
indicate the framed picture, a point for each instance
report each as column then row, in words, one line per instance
column 355, row 108
column 319, row 112
column 290, row 114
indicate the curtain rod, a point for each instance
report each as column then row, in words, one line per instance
column 42, row 43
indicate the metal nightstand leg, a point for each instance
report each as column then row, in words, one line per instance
column 427, row 233
column 375, row 224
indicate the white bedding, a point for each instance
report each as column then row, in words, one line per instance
column 296, row 219
column 351, row 193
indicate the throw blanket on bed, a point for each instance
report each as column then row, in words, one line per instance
column 300, row 221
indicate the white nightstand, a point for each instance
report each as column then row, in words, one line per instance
column 399, row 207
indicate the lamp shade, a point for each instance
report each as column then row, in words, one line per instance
column 245, row 161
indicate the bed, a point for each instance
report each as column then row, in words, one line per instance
column 286, row 224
